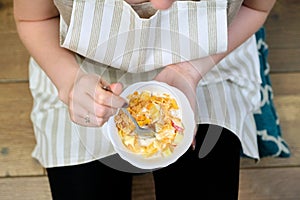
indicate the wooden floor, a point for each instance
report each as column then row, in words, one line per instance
column 22, row 178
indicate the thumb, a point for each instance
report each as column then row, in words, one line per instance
column 116, row 88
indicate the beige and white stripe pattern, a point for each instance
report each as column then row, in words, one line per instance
column 226, row 96
column 112, row 33
column 228, row 102
column 59, row 141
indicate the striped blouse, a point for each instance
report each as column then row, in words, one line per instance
column 112, row 39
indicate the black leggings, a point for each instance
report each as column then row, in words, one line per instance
column 215, row 176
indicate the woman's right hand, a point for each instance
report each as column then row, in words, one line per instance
column 90, row 104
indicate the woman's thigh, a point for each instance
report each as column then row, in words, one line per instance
column 212, row 176
column 89, row 181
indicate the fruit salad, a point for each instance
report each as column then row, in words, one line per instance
column 157, row 111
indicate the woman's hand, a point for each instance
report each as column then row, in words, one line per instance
column 89, row 104
column 185, row 77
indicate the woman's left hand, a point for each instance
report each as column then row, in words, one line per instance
column 183, row 76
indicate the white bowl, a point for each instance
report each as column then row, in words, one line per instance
column 187, row 120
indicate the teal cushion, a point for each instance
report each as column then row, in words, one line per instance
column 269, row 135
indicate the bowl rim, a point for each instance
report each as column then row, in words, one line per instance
column 187, row 116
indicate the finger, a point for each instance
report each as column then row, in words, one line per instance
column 91, row 120
column 102, row 111
column 116, row 88
column 88, row 119
column 161, row 4
column 194, row 144
column 194, row 139
column 89, row 105
column 88, row 113
column 102, row 82
column 110, row 99
column 98, row 110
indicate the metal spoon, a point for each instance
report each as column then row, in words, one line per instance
column 140, row 131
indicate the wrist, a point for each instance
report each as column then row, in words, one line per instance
column 65, row 90
column 190, row 73
column 199, row 67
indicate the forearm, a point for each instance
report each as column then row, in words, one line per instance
column 248, row 20
column 245, row 24
column 41, row 38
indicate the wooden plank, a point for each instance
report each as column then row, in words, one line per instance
column 283, row 39
column 283, row 25
column 284, row 60
column 255, row 184
column 13, row 58
column 6, row 16
column 25, row 188
column 285, row 83
column 143, row 187
column 13, row 55
column 16, row 133
column 283, row 36
column 270, row 184
column 287, row 103
column 288, row 109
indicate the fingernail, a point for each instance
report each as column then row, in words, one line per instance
column 194, row 145
column 106, row 88
column 125, row 105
